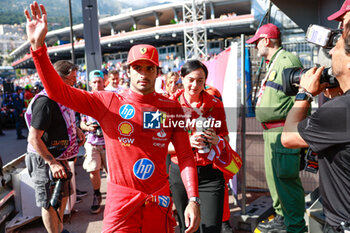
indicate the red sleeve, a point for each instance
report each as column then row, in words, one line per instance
column 220, row 115
column 186, row 160
column 92, row 104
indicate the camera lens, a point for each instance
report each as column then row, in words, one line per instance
column 291, row 79
column 56, row 197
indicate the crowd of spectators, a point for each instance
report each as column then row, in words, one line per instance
column 29, row 85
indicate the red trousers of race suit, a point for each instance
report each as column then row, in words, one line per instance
column 132, row 211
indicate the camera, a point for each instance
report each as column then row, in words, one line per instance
column 56, row 197
column 98, row 131
column 321, row 36
column 291, row 79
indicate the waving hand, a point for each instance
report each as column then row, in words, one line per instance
column 36, row 25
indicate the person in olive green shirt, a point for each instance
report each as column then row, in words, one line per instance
column 281, row 164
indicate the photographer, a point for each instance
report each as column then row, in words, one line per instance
column 327, row 132
column 95, row 145
column 52, row 140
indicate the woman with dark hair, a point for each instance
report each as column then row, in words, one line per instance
column 198, row 105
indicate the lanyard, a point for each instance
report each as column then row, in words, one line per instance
column 263, row 82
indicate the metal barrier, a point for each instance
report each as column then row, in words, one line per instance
column 306, row 52
column 255, row 175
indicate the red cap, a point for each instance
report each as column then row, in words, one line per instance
column 143, row 52
column 269, row 30
column 337, row 15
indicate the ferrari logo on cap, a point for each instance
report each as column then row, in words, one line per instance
column 143, row 50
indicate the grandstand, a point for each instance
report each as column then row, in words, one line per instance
column 161, row 26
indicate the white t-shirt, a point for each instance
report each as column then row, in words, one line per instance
column 116, row 90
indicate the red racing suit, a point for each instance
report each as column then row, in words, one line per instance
column 136, row 141
column 210, row 107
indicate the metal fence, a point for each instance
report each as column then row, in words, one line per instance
column 255, row 173
column 306, row 52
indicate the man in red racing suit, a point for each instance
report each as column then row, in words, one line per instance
column 136, row 139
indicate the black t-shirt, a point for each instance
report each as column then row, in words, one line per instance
column 47, row 116
column 327, row 132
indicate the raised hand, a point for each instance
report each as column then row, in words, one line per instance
column 36, row 25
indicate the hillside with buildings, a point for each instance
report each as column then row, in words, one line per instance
column 11, row 12
column 12, row 20
column 11, row 37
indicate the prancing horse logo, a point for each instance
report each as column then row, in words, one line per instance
column 143, row 50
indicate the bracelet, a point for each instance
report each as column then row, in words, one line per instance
column 302, row 95
column 303, row 90
column 196, row 200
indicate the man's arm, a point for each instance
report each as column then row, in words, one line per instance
column 310, row 82
column 80, row 136
column 88, row 127
column 78, row 100
column 34, row 138
column 290, row 137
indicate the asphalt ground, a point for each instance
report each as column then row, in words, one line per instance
column 82, row 221
column 10, row 147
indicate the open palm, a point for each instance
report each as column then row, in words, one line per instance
column 36, row 25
